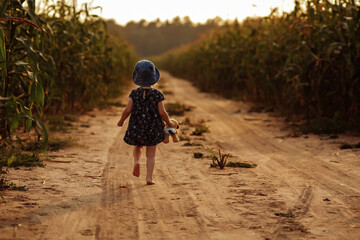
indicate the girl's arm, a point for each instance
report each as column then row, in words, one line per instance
column 164, row 115
column 126, row 112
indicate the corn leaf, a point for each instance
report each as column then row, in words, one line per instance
column 2, row 53
column 37, row 93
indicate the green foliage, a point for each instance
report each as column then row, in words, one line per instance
column 21, row 90
column 14, row 158
column 305, row 62
column 59, row 59
column 89, row 63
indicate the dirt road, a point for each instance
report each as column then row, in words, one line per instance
column 302, row 188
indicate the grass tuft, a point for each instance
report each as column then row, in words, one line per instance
column 200, row 126
column 60, row 123
column 15, row 158
column 58, row 143
column 54, row 144
column 24, row 159
column 177, row 109
column 240, row 165
column 200, row 130
column 219, row 159
column 190, row 144
column 6, row 185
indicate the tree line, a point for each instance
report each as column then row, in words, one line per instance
column 156, row 37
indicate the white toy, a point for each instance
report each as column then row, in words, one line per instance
column 171, row 131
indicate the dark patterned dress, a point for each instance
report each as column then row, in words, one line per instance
column 146, row 128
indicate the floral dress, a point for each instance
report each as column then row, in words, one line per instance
column 146, row 128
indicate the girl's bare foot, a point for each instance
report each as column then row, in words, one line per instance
column 136, row 171
column 150, row 182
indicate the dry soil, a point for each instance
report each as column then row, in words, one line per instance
column 304, row 187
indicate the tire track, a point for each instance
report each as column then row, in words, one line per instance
column 295, row 192
column 301, row 176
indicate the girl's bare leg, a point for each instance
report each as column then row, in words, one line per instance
column 137, row 155
column 150, row 163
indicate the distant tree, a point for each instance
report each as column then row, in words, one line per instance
column 156, row 37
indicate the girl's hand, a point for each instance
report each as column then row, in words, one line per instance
column 173, row 125
column 126, row 112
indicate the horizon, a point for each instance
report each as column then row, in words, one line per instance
column 124, row 12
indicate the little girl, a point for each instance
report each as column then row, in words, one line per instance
column 146, row 126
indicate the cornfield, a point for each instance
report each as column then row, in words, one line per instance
column 304, row 63
column 54, row 59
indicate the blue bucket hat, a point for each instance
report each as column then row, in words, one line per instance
column 145, row 73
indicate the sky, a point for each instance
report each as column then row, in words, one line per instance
column 123, row 11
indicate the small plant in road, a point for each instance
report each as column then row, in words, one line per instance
column 218, row 160
column 199, row 130
column 177, row 109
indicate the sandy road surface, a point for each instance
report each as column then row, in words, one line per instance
column 302, row 188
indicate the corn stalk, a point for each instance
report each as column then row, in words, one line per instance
column 304, row 63
column 57, row 59
column 21, row 90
